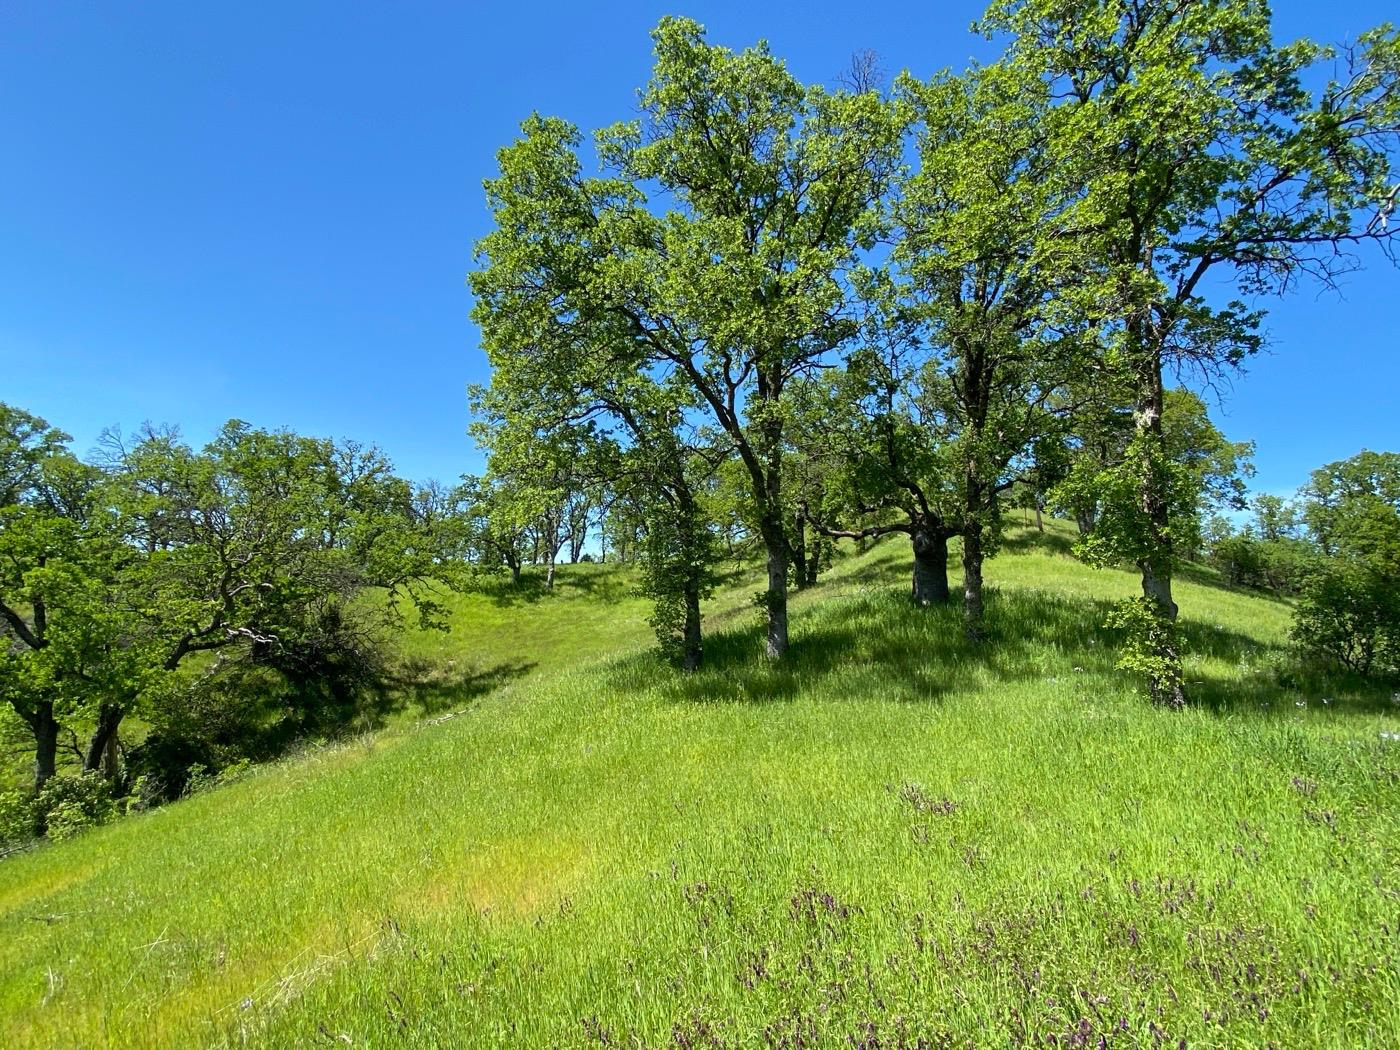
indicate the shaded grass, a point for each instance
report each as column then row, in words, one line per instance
column 896, row 839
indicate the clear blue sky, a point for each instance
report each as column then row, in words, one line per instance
column 267, row 210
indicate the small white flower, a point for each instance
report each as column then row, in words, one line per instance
column 1391, row 737
column 1300, row 703
column 1325, row 700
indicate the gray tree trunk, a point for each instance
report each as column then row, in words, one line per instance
column 109, row 717
column 930, row 567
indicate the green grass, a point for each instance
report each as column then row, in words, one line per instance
column 894, row 839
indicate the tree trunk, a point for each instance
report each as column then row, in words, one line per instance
column 972, row 583
column 775, row 541
column 1155, row 505
column 930, row 567
column 112, row 759
column 45, row 728
column 814, row 560
column 799, row 548
column 1085, row 520
column 109, row 717
column 1039, row 521
column 549, row 572
column 691, row 645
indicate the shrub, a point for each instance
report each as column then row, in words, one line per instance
column 68, row 805
column 16, row 817
column 1350, row 614
column 1241, row 559
column 1278, row 565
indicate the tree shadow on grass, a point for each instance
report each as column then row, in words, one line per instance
column 1024, row 540
column 604, row 584
column 423, row 688
column 877, row 644
column 1054, row 541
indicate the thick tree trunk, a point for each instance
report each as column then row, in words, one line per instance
column 972, row 583
column 1039, row 521
column 930, row 567
column 109, row 717
column 112, row 759
column 45, row 729
column 549, row 572
column 1085, row 520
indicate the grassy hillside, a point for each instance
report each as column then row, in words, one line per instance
column 893, row 840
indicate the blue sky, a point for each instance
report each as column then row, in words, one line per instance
column 267, row 210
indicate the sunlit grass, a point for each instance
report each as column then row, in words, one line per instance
column 895, row 839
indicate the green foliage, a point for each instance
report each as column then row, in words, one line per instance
column 119, row 577
column 1201, row 158
column 16, row 818
column 1350, row 613
column 1151, row 646
column 67, row 805
column 1350, row 506
column 1191, row 463
column 676, row 567
column 1280, row 565
column 1349, row 610
column 587, row 290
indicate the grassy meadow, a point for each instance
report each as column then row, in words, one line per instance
column 893, row 839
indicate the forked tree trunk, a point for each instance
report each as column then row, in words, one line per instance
column 930, row 567
column 109, row 717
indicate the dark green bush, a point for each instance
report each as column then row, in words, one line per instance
column 1349, row 614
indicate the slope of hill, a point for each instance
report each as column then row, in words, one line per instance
column 895, row 839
